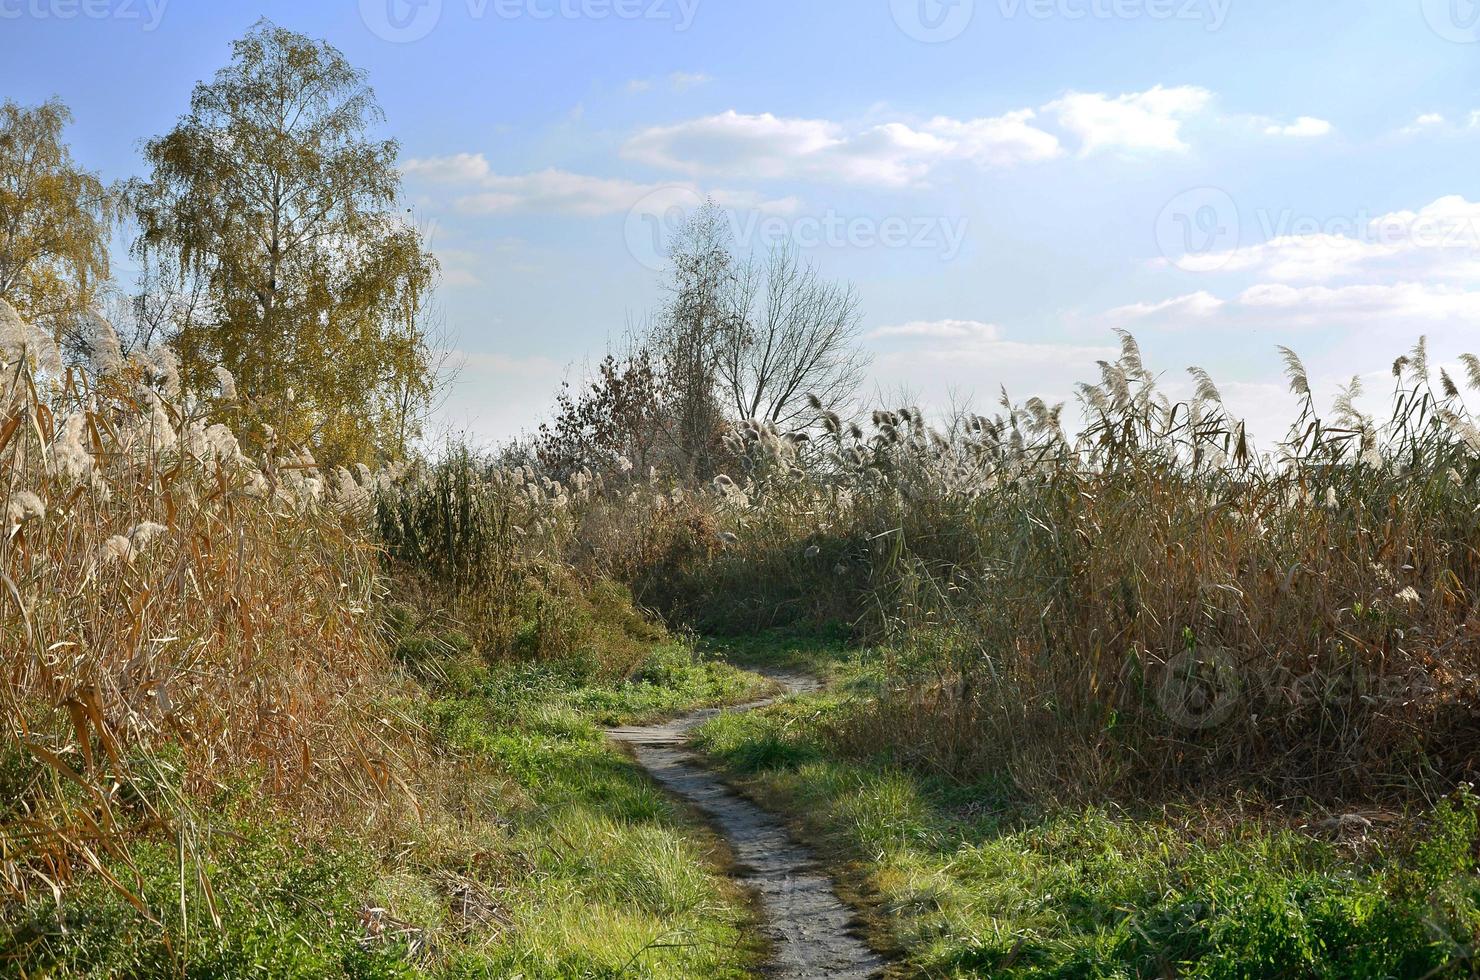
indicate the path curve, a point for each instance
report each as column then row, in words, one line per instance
column 812, row 933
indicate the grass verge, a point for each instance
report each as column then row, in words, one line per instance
column 968, row 880
column 542, row 852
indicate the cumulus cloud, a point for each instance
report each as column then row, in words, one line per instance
column 1306, row 127
column 1139, row 121
column 1368, row 285
column 900, row 152
column 1440, row 240
column 892, row 154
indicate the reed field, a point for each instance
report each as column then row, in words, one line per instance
column 293, row 684
column 1151, row 615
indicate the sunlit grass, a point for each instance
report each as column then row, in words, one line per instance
column 962, row 881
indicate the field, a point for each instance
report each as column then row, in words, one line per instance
column 1137, row 708
column 722, row 667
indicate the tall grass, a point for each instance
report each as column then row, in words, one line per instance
column 181, row 619
column 1150, row 601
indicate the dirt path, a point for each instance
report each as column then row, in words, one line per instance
column 811, row 931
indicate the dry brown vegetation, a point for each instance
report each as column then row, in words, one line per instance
column 1152, row 602
column 180, row 617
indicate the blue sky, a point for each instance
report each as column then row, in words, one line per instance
column 1004, row 181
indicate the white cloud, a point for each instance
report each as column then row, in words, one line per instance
column 562, row 192
column 1438, row 124
column 1392, row 309
column 1429, row 122
column 1150, row 120
column 939, row 330
column 899, row 153
column 1291, row 257
column 891, row 154
column 458, row 168
column 1440, row 240
column 1306, row 127
column 1199, row 305
column 998, row 141
column 1405, row 300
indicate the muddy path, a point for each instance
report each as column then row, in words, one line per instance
column 811, row 932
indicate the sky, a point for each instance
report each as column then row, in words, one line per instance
column 1004, row 182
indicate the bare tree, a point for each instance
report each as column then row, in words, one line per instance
column 746, row 341
column 791, row 334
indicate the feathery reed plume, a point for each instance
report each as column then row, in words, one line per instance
column 1295, row 372
column 1206, row 390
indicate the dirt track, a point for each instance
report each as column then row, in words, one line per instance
column 812, row 933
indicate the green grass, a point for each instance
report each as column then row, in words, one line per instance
column 548, row 853
column 286, row 910
column 619, row 881
column 966, row 881
column 826, row 651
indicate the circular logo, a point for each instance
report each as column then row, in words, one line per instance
column 1453, row 20
column 1202, row 688
column 401, row 21
column 933, row 21
column 1198, row 230
column 653, row 222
